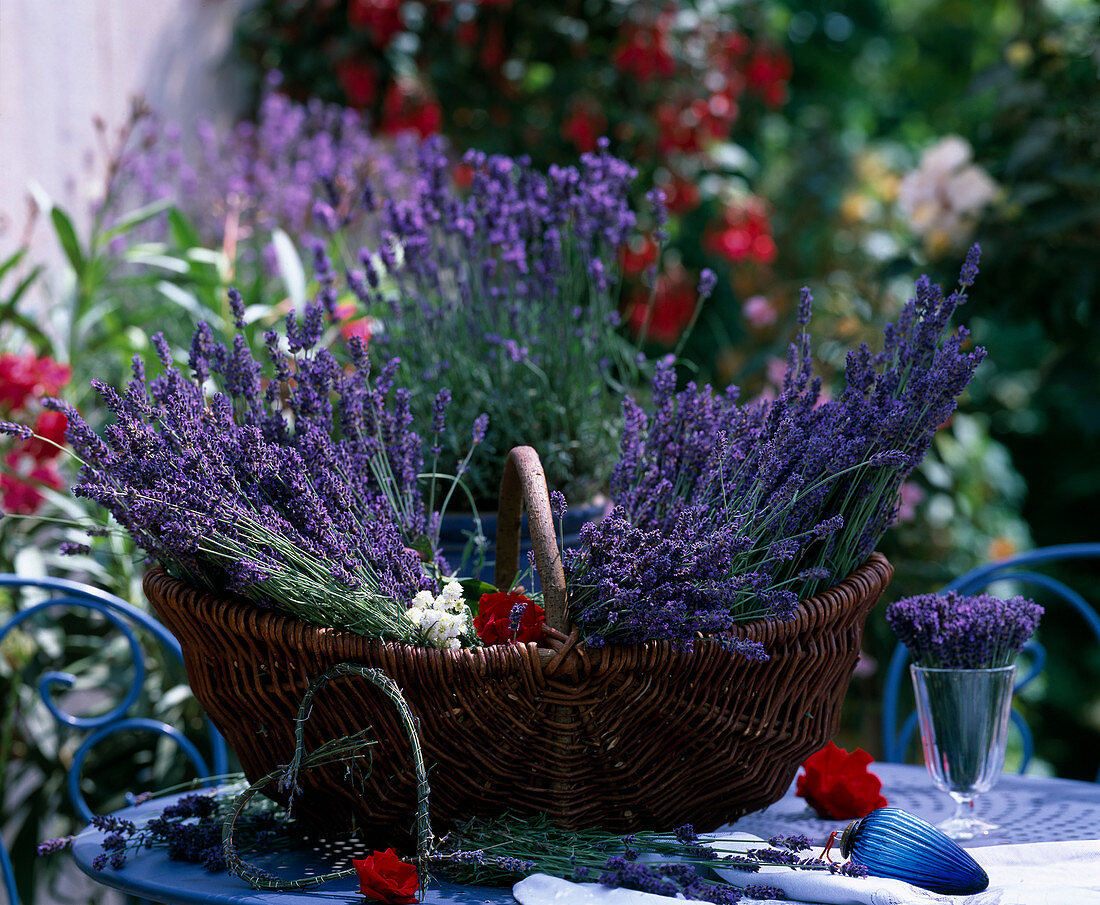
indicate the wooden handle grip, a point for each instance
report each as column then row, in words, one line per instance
column 524, row 484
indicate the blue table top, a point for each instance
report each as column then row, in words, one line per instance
column 1030, row 809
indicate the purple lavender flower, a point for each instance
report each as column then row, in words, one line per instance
column 708, row 280
column 953, row 631
column 22, row 431
column 236, row 303
column 558, row 503
column 481, row 425
column 52, row 846
column 71, row 548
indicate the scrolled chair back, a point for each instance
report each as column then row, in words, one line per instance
column 33, row 597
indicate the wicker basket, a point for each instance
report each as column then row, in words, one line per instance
column 626, row 737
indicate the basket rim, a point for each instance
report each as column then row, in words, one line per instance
column 862, row 586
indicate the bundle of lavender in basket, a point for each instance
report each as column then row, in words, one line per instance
column 295, row 481
column 728, row 512
column 298, row 482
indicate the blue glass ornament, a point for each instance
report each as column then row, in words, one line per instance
column 893, row 843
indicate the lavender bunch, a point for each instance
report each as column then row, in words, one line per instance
column 954, row 631
column 188, row 830
column 506, row 293
column 737, row 511
column 293, row 481
column 500, row 850
column 486, row 277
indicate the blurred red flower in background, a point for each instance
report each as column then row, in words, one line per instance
column 407, row 107
column 768, row 73
column 673, row 306
column 359, row 79
column 381, row 18
column 644, row 50
column 744, row 234
column 584, row 126
column 27, row 375
column 30, row 464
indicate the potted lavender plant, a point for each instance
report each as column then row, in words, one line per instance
column 506, row 292
column 963, row 675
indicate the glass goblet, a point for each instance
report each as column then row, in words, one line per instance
column 964, row 716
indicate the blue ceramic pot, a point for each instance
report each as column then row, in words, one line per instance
column 457, row 530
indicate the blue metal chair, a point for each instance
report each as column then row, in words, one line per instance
column 126, row 619
column 895, row 740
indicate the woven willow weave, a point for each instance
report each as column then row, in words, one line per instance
column 624, row 737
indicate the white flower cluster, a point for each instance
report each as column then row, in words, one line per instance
column 442, row 619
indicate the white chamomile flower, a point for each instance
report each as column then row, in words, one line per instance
column 452, row 597
column 442, row 619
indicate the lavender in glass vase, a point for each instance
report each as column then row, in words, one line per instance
column 963, row 677
column 954, row 631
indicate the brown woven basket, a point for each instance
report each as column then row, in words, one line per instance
column 625, row 737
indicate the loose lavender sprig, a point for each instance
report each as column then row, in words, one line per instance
column 953, row 631
column 728, row 512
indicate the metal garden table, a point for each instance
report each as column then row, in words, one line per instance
column 1030, row 809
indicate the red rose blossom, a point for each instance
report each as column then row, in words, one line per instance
column 494, row 620
column 838, row 785
column 383, row 877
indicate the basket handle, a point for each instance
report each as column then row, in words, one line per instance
column 524, row 484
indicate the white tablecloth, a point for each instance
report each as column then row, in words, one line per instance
column 1036, row 873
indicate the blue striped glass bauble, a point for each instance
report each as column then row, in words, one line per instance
column 892, row 843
